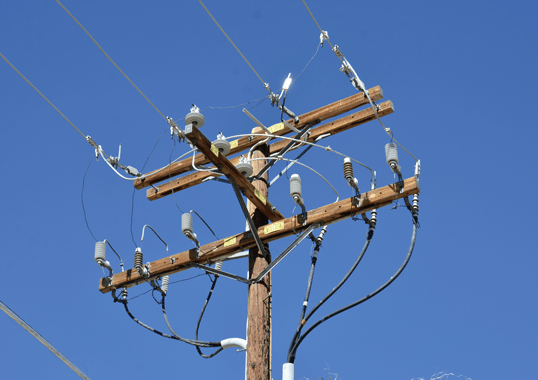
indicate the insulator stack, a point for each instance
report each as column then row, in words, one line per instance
column 186, row 223
column 218, row 266
column 164, row 286
column 295, row 185
column 100, row 251
column 348, row 169
column 138, row 259
column 391, row 153
column 373, row 219
column 415, row 202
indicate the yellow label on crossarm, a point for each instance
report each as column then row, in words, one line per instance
column 276, row 127
column 230, row 241
column 276, row 226
column 214, row 150
column 260, row 196
column 233, row 144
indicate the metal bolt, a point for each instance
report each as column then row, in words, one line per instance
column 253, row 365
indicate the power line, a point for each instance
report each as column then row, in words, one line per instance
column 110, row 59
column 265, row 85
column 38, row 336
column 39, row 92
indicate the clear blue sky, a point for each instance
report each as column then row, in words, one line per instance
column 462, row 76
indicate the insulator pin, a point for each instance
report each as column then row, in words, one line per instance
column 138, row 259
column 100, row 251
column 195, row 117
column 348, row 169
column 391, row 153
column 295, row 186
column 164, row 286
column 245, row 168
column 186, row 223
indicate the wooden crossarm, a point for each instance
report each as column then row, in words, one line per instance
column 331, row 110
column 223, row 248
column 229, row 170
column 337, row 126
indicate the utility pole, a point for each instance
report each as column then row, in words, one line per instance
column 259, row 294
column 266, row 222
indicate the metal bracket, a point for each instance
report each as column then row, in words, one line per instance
column 250, row 222
column 299, row 239
column 221, row 273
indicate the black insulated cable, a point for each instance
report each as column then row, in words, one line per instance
column 293, row 350
column 296, row 336
column 176, row 337
column 200, row 320
column 189, row 341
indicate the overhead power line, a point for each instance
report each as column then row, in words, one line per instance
column 39, row 92
column 38, row 336
column 236, row 48
column 110, row 59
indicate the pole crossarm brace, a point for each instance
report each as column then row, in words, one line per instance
column 221, row 249
column 329, row 111
column 337, row 126
column 250, row 222
column 270, row 267
column 229, row 170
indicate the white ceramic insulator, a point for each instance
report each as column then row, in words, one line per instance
column 218, row 266
column 195, row 118
column 245, row 168
column 222, row 145
column 100, row 251
column 391, row 152
column 288, row 371
column 295, row 185
column 186, row 223
column 164, row 287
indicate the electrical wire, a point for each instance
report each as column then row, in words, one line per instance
column 265, row 85
column 331, row 293
column 326, row 148
column 374, row 107
column 293, row 350
column 82, row 199
column 43, row 96
column 207, row 225
column 189, row 341
column 110, row 59
column 38, row 336
column 214, row 282
column 301, row 73
column 306, row 166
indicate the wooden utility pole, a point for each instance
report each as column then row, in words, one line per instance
column 259, row 294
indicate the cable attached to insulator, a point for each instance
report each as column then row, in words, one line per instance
column 214, row 282
column 297, row 338
column 293, row 350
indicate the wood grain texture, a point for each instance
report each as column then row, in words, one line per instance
column 214, row 251
column 229, row 170
column 331, row 110
column 337, row 126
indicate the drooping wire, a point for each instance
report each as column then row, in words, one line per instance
column 175, row 282
column 82, row 199
column 331, row 293
column 265, row 85
column 43, row 96
column 207, row 225
column 110, row 59
column 301, row 73
column 214, row 282
column 38, row 336
column 293, row 350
